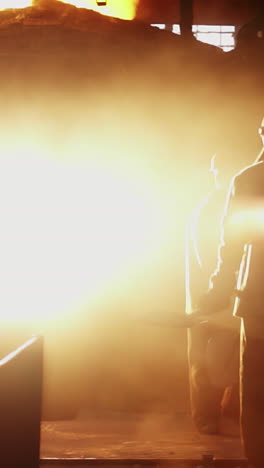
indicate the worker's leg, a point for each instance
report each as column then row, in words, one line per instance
column 252, row 390
column 205, row 398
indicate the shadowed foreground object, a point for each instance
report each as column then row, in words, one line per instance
column 20, row 405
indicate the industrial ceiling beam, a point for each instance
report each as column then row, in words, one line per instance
column 186, row 18
column 215, row 12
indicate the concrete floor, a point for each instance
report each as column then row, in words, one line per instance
column 126, row 436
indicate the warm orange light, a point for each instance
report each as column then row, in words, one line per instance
column 124, row 9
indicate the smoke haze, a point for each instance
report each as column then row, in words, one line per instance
column 108, row 130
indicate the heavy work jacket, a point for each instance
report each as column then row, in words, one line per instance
column 202, row 239
column 240, row 268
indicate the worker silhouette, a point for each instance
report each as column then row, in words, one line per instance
column 239, row 276
column 208, row 375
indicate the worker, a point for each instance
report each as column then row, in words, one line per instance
column 239, row 275
column 208, row 388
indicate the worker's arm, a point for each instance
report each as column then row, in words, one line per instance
column 223, row 281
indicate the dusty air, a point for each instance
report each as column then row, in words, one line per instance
column 131, row 240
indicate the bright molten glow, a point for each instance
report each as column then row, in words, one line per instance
column 124, row 9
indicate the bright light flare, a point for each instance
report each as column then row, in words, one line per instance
column 123, row 9
column 69, row 233
column 249, row 219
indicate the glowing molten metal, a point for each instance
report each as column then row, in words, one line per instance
column 124, row 9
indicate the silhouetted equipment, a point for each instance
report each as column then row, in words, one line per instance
column 101, row 3
column 186, row 18
column 20, row 405
column 226, row 12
